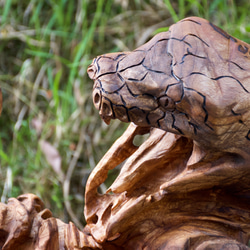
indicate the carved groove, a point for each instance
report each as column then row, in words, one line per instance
column 131, row 66
column 191, row 54
column 223, row 33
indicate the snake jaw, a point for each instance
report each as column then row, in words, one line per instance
column 106, row 120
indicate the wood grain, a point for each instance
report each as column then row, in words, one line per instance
column 188, row 185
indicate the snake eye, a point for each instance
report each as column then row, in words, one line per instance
column 166, row 102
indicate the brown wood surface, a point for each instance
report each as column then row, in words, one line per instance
column 188, row 185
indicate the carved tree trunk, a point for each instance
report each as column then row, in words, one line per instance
column 188, row 185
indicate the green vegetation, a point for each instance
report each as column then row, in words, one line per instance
column 45, row 48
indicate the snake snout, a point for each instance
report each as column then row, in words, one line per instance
column 103, row 105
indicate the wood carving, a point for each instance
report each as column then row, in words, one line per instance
column 26, row 225
column 188, row 185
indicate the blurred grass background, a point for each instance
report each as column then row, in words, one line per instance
column 45, row 48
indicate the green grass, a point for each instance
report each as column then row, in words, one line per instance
column 46, row 47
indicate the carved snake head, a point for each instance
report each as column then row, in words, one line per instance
column 127, row 88
column 183, row 81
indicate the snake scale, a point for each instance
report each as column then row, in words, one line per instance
column 193, row 80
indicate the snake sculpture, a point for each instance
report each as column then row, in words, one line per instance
column 193, row 80
column 187, row 186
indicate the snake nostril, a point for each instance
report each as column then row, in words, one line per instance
column 91, row 71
